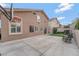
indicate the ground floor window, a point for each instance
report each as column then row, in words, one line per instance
column 36, row 28
column 41, row 29
column 31, row 28
column 15, row 26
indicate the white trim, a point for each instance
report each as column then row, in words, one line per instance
column 36, row 29
column 16, row 32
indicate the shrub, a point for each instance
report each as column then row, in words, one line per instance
column 54, row 30
column 77, row 24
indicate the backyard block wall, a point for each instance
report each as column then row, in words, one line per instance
column 76, row 32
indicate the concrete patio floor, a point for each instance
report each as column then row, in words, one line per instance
column 41, row 45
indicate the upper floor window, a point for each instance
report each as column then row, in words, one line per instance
column 34, row 13
column 37, row 17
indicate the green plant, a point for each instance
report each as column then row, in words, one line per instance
column 60, row 34
column 54, row 30
column 77, row 24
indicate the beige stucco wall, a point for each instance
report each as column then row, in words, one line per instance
column 28, row 19
column 52, row 24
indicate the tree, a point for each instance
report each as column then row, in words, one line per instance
column 77, row 24
column 54, row 30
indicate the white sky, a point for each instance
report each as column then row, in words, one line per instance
column 39, row 1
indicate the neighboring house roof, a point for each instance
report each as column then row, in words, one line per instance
column 55, row 18
column 24, row 10
column 52, row 19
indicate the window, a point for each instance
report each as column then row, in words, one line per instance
column 41, row 29
column 31, row 29
column 18, row 29
column 34, row 13
column 15, row 28
column 36, row 28
column 38, row 18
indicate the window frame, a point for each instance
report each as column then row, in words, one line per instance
column 36, row 29
column 38, row 18
column 21, row 30
column 31, row 29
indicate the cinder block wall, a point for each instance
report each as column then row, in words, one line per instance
column 76, row 32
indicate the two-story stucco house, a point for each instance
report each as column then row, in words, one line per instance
column 53, row 23
column 25, row 23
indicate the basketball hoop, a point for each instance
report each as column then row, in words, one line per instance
column 16, row 19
